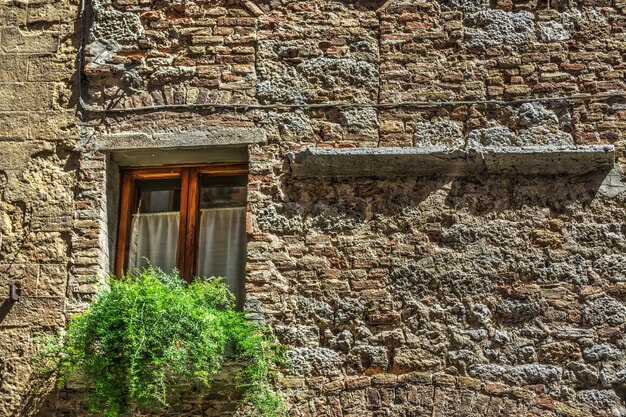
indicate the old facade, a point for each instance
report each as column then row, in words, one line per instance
column 435, row 202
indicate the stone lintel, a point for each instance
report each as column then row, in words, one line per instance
column 211, row 136
column 430, row 161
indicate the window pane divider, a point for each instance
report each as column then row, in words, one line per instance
column 182, row 228
column 189, row 240
column 123, row 227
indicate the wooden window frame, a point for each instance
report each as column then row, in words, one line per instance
column 189, row 208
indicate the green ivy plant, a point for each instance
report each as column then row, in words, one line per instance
column 150, row 335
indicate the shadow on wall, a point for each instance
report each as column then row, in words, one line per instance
column 5, row 308
column 447, row 237
column 46, row 400
column 557, row 193
column 346, row 204
column 35, row 401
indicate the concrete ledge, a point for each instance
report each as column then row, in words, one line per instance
column 211, row 136
column 384, row 162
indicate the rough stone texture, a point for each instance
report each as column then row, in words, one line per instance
column 180, row 53
column 432, row 133
column 212, row 136
column 38, row 126
column 496, row 27
column 424, row 161
column 485, row 294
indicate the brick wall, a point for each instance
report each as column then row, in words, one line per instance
column 499, row 295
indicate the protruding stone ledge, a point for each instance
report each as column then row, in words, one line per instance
column 211, row 136
column 431, row 161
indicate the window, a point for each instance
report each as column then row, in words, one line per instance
column 190, row 217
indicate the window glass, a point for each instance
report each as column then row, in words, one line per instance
column 222, row 230
column 154, row 196
column 222, row 191
column 155, row 224
column 188, row 217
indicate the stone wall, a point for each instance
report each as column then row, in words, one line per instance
column 490, row 295
column 38, row 128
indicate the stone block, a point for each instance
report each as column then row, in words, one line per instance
column 15, row 155
column 28, row 96
column 14, row 374
column 35, row 280
column 14, row 342
column 13, row 126
column 52, row 280
column 13, row 40
column 408, row 359
column 599, row 399
column 556, row 353
column 304, row 336
column 48, row 247
column 517, row 311
column 314, row 361
column 428, row 161
column 45, row 69
column 50, row 12
column 439, row 133
column 604, row 310
column 371, row 359
column 13, row 68
column 497, row 27
column 333, row 386
column 357, row 382
column 13, row 13
column 385, row 319
column 121, row 27
column 22, row 275
column 29, row 311
column 602, row 352
column 211, row 135
column 572, row 333
column 533, row 374
column 52, row 222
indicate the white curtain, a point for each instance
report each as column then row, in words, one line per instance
column 154, row 236
column 222, row 246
